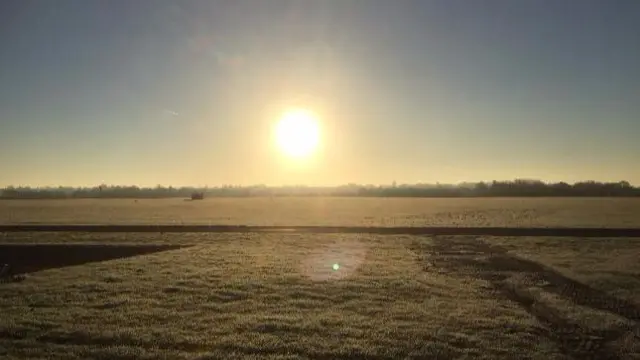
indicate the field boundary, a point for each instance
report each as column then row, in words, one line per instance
column 477, row 231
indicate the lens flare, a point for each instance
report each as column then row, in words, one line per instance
column 340, row 260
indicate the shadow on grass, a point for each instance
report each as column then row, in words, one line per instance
column 495, row 265
column 36, row 257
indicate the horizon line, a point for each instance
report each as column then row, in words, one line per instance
column 349, row 184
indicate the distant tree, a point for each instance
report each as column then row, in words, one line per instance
column 517, row 187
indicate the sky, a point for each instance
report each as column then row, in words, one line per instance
column 186, row 93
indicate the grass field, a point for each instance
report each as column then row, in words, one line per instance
column 507, row 212
column 278, row 296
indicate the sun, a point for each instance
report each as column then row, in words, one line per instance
column 297, row 133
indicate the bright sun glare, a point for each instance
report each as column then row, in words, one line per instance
column 297, row 133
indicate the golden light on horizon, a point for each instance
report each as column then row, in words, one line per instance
column 297, row 133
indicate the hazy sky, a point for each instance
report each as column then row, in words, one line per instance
column 186, row 92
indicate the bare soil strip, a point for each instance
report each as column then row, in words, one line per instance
column 476, row 231
column 523, row 281
column 35, row 257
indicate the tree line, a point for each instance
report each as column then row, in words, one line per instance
column 515, row 188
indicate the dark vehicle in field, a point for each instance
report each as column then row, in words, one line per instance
column 197, row 196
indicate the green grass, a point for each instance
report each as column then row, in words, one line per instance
column 269, row 296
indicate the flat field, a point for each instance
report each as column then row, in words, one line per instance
column 321, row 296
column 291, row 211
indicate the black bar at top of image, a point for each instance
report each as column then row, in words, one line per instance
column 486, row 231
